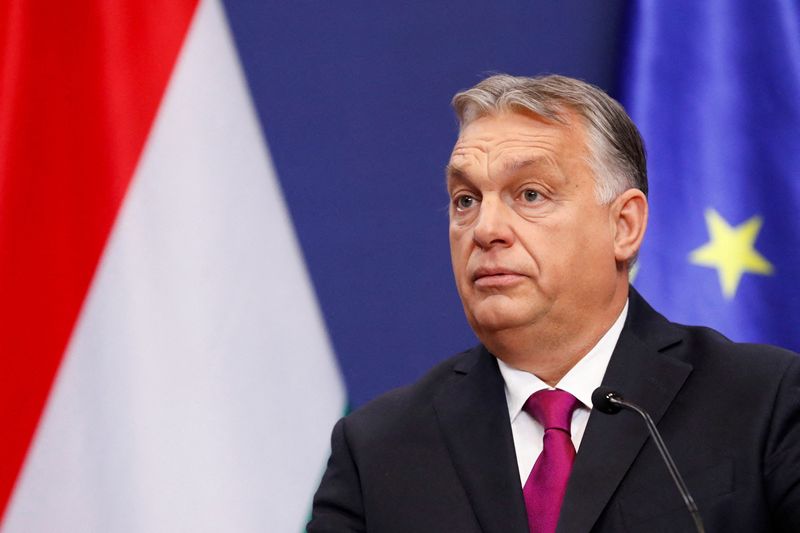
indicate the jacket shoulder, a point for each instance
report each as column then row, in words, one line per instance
column 402, row 408
column 703, row 346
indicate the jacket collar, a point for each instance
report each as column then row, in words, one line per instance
column 642, row 373
column 473, row 416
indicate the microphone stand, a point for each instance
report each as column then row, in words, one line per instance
column 610, row 402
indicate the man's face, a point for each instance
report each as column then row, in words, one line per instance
column 530, row 243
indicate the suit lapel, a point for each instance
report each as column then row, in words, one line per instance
column 473, row 417
column 643, row 375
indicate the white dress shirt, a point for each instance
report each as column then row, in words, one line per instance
column 580, row 381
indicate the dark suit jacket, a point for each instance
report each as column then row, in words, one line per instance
column 438, row 456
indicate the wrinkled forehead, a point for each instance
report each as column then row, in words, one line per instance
column 511, row 139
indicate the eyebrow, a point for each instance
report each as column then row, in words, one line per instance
column 452, row 171
column 516, row 165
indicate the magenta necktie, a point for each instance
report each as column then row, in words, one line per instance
column 544, row 490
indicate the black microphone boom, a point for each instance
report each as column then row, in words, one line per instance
column 610, row 402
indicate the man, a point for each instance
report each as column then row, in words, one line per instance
column 548, row 210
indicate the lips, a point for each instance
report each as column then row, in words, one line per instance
column 496, row 277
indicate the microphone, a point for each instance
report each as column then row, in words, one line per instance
column 610, row 402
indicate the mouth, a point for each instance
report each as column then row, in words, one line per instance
column 496, row 277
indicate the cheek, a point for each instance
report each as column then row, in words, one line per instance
column 566, row 249
column 593, row 246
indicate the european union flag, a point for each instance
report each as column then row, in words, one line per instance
column 715, row 89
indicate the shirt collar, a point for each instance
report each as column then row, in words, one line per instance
column 581, row 380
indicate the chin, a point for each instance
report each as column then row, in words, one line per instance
column 491, row 318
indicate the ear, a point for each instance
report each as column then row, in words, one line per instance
column 629, row 212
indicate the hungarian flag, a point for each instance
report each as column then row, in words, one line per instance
column 164, row 365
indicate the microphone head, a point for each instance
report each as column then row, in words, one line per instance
column 601, row 400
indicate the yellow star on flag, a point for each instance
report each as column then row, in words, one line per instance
column 731, row 251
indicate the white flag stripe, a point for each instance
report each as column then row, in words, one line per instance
column 199, row 387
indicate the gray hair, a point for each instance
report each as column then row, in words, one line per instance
column 616, row 149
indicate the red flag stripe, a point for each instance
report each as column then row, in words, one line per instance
column 80, row 85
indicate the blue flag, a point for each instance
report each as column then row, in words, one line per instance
column 715, row 90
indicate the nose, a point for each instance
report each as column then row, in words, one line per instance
column 493, row 226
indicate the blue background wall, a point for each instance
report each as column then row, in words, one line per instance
column 354, row 100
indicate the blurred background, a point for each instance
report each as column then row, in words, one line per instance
column 224, row 224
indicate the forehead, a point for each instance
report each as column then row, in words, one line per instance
column 505, row 137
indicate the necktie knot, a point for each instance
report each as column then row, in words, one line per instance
column 552, row 408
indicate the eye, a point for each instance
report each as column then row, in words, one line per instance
column 529, row 195
column 464, row 202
